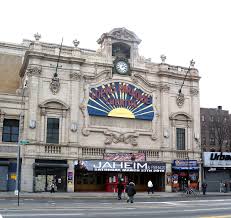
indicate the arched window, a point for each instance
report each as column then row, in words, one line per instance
column 121, row 50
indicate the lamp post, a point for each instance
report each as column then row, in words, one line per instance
column 188, row 169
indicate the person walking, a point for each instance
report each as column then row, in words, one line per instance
column 150, row 187
column 204, row 187
column 131, row 191
column 52, row 186
column 120, row 188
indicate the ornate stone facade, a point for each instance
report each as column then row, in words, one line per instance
column 67, row 98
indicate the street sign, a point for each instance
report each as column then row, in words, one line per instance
column 24, row 142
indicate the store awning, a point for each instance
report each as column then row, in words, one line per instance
column 4, row 163
column 47, row 165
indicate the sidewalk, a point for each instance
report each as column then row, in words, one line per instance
column 101, row 195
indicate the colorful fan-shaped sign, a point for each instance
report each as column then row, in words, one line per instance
column 119, row 99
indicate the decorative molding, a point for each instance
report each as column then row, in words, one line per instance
column 136, row 78
column 103, row 75
column 116, row 137
column 180, row 99
column 120, row 34
column 194, row 91
column 154, row 136
column 55, row 85
column 83, row 108
column 33, row 70
column 75, row 75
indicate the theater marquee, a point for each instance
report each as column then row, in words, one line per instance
column 119, row 99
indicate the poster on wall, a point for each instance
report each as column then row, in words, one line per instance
column 120, row 99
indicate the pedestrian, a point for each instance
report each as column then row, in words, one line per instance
column 150, row 187
column 120, row 188
column 226, row 187
column 204, row 187
column 52, row 186
column 131, row 191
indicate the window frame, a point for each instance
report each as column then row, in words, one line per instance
column 59, row 129
column 11, row 134
column 181, row 139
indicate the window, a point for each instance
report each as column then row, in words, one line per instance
column 212, row 141
column 204, row 141
column 53, row 130
column 10, row 130
column 211, row 118
column 180, row 139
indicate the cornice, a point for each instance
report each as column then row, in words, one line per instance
column 49, row 57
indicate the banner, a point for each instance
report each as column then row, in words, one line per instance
column 120, row 99
column 119, row 166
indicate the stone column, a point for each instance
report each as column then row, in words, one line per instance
column 33, row 73
column 27, row 175
column 70, row 176
column 164, row 115
column 168, row 186
column 195, row 131
column 42, row 126
column 74, row 105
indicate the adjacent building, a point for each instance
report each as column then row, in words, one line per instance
column 91, row 118
column 215, row 142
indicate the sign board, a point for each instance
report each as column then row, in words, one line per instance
column 119, row 99
column 124, row 156
column 24, row 142
column 185, row 165
column 217, row 159
column 120, row 166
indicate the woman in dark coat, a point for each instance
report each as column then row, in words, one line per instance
column 131, row 191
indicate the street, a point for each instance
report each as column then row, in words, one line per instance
column 219, row 207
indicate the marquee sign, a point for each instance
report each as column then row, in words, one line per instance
column 120, row 166
column 119, row 99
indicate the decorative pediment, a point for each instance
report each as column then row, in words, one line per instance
column 181, row 116
column 54, row 104
column 121, row 34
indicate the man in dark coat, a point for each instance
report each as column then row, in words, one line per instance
column 131, row 191
column 204, row 187
column 120, row 188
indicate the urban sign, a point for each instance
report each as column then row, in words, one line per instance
column 217, row 159
column 118, row 99
column 120, row 166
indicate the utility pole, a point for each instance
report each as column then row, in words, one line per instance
column 17, row 185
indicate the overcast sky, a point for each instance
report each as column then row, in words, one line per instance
column 180, row 29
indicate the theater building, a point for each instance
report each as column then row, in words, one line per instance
column 91, row 117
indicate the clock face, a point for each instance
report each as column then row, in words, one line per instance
column 122, row 67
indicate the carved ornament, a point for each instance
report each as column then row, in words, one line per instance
column 75, row 75
column 164, row 88
column 194, row 91
column 55, row 85
column 116, row 137
column 180, row 99
column 34, row 70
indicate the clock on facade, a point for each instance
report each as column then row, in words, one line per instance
column 121, row 66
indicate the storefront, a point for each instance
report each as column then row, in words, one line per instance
column 48, row 171
column 217, row 170
column 103, row 175
column 184, row 173
column 7, row 174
